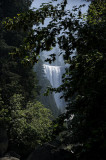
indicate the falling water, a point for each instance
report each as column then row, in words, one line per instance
column 54, row 71
column 53, row 74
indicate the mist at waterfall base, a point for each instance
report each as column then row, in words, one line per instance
column 54, row 71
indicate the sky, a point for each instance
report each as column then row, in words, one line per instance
column 37, row 3
column 71, row 3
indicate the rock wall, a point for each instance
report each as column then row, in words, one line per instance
column 47, row 101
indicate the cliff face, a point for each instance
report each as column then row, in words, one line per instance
column 47, row 101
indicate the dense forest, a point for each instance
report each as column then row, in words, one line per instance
column 81, row 130
column 20, row 113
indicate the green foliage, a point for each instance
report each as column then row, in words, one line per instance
column 39, row 38
column 84, row 83
column 12, row 73
column 87, row 104
column 26, row 120
column 97, row 12
column 28, row 125
column 84, row 86
column 9, row 8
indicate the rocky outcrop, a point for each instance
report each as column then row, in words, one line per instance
column 50, row 152
column 3, row 141
column 9, row 158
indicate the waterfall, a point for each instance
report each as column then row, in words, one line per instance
column 53, row 72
